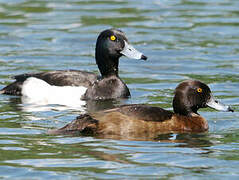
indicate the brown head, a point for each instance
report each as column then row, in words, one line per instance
column 192, row 95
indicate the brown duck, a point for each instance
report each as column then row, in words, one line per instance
column 139, row 120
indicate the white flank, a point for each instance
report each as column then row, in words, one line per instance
column 37, row 91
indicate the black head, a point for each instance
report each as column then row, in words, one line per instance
column 110, row 46
column 191, row 95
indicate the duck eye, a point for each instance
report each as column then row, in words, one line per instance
column 199, row 90
column 112, row 38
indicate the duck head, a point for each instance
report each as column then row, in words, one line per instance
column 110, row 46
column 192, row 95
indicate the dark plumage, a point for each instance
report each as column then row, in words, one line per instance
column 110, row 46
column 57, row 78
column 138, row 120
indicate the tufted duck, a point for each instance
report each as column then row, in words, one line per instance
column 139, row 120
column 110, row 46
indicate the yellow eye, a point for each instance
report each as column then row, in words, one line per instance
column 199, row 90
column 112, row 38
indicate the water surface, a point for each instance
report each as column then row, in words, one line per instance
column 183, row 39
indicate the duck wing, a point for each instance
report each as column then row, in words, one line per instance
column 56, row 78
column 125, row 120
column 145, row 112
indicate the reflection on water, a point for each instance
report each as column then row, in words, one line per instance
column 183, row 39
column 35, row 108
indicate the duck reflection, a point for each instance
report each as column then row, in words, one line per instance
column 186, row 139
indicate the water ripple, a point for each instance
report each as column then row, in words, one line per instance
column 183, row 40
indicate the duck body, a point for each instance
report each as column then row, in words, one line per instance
column 139, row 120
column 110, row 46
column 55, row 78
column 37, row 91
column 133, row 121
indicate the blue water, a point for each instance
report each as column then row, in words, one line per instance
column 183, row 39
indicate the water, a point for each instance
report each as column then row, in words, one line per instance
column 183, row 39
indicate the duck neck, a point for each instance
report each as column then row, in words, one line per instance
column 108, row 65
column 182, row 108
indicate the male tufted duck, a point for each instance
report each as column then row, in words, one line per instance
column 110, row 46
column 139, row 120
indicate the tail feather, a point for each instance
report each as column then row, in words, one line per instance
column 12, row 89
column 83, row 124
column 15, row 88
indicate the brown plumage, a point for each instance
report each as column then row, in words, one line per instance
column 139, row 120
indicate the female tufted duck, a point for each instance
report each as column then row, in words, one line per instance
column 110, row 46
column 138, row 120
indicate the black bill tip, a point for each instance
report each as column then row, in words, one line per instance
column 230, row 109
column 144, row 57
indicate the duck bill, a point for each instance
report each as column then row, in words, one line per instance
column 130, row 52
column 215, row 104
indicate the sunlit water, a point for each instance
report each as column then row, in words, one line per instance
column 183, row 39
